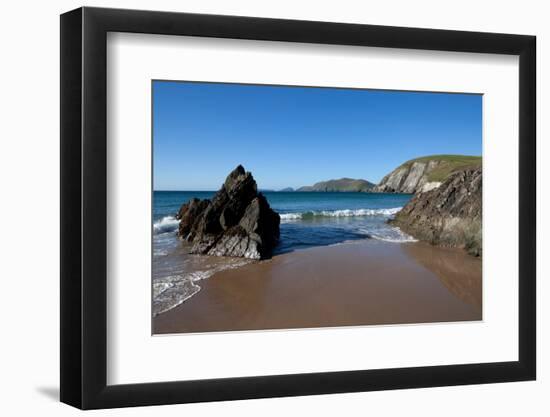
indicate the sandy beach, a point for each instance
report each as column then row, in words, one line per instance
column 366, row 282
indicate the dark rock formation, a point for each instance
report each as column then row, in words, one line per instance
column 236, row 222
column 449, row 215
column 187, row 215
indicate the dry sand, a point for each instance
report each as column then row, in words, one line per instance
column 360, row 283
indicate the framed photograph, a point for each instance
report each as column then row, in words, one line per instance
column 259, row 208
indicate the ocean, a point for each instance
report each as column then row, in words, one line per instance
column 308, row 219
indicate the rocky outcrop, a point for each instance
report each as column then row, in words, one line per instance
column 236, row 222
column 449, row 215
column 406, row 179
column 341, row 185
column 425, row 174
column 188, row 214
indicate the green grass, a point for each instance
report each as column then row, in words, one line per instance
column 450, row 164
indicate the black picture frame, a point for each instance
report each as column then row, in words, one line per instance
column 84, row 207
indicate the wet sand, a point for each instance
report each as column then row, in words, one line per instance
column 361, row 283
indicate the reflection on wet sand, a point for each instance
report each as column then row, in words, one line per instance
column 458, row 271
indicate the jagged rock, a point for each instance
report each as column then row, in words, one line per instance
column 236, row 222
column 259, row 219
column 449, row 215
column 188, row 214
column 429, row 186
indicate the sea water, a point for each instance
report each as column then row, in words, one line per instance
column 308, row 219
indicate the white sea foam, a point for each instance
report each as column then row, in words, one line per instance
column 170, row 291
column 165, row 225
column 388, row 234
column 291, row 216
column 395, row 240
column 340, row 213
column 160, row 252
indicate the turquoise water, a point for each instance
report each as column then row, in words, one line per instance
column 307, row 220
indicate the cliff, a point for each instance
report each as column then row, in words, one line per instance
column 449, row 215
column 341, row 185
column 425, row 174
column 236, row 222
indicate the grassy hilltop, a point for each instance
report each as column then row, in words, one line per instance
column 447, row 165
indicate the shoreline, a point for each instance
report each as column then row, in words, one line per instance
column 363, row 282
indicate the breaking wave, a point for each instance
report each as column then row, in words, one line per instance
column 340, row 213
column 388, row 234
column 165, row 225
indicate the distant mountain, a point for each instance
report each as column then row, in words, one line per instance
column 286, row 190
column 425, row 173
column 341, row 185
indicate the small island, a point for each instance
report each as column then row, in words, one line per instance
column 341, row 185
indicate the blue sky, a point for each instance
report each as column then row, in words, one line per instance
column 294, row 136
